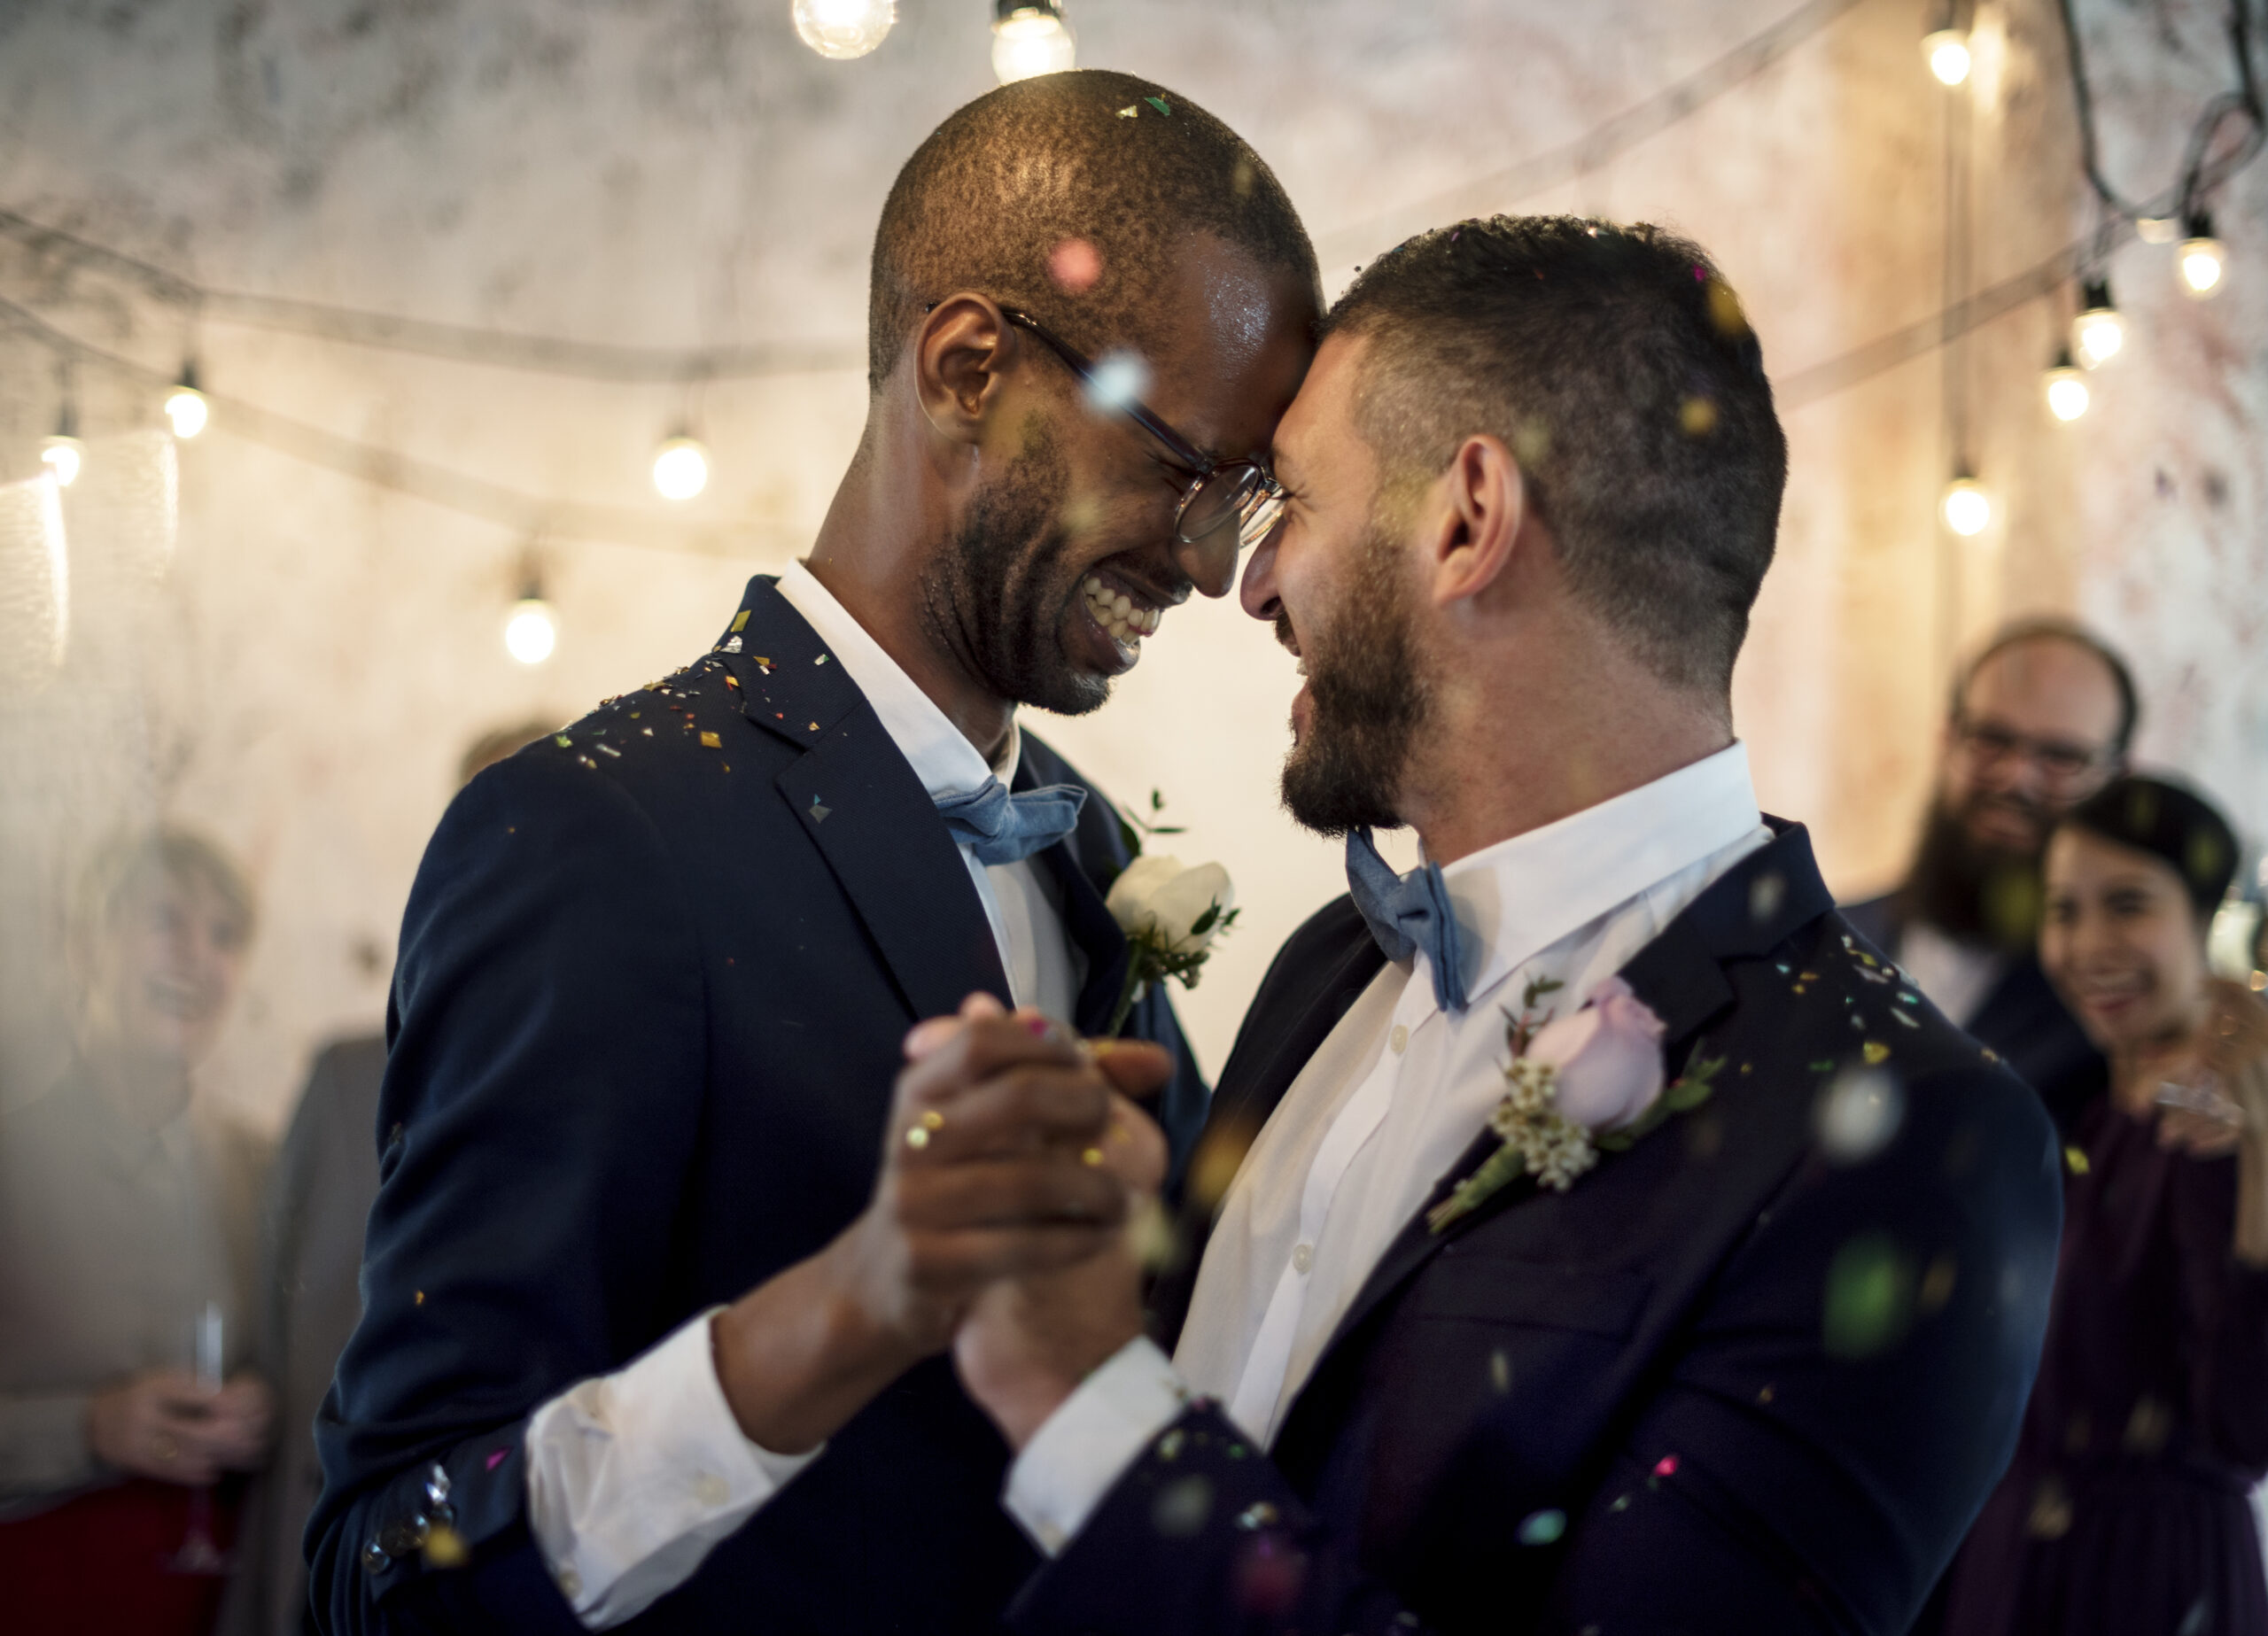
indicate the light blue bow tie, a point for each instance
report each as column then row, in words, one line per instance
column 1407, row 913
column 1002, row 828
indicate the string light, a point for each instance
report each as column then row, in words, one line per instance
column 61, row 454
column 1967, row 507
column 2099, row 331
column 1029, row 38
column 1946, row 52
column 185, row 406
column 680, row 467
column 2068, row 396
column 2201, row 258
column 842, row 29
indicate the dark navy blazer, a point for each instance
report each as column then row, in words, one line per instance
column 1729, row 1383
column 654, row 976
column 2022, row 1019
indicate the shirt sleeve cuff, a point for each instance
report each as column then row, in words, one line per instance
column 1081, row 1451
column 634, row 1477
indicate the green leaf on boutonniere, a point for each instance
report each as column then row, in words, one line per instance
column 1497, row 1172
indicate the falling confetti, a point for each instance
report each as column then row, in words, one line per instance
column 1542, row 1527
column 1869, row 1297
column 1182, row 1506
column 1766, row 894
column 1119, row 378
column 1696, row 416
column 1075, row 266
column 1858, row 1114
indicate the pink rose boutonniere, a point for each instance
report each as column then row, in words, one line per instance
column 1575, row 1085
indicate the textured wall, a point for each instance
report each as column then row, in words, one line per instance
column 288, row 630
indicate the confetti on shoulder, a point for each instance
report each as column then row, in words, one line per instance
column 820, row 660
column 710, row 742
column 1132, row 110
column 1160, row 103
column 740, row 621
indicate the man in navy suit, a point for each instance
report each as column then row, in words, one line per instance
column 1615, row 1243
column 2039, row 720
column 646, row 1338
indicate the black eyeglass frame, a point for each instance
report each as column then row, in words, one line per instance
column 1253, row 499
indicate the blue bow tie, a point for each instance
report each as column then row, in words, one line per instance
column 1407, row 913
column 1002, row 828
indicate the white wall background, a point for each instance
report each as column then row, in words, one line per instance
column 289, row 640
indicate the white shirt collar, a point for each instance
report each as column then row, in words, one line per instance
column 940, row 754
column 1516, row 898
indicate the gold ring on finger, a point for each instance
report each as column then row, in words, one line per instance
column 917, row 1137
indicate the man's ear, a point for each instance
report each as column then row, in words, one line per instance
column 961, row 353
column 1481, row 502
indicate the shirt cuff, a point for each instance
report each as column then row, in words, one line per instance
column 634, row 1477
column 1081, row 1451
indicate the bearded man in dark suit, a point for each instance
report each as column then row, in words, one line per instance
column 645, row 1339
column 1615, row 1243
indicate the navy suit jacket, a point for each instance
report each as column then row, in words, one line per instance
column 654, row 976
column 2022, row 1019
column 1729, row 1383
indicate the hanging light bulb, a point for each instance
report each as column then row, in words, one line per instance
column 185, row 406
column 2067, row 389
column 61, row 454
column 531, row 630
column 1031, row 37
column 680, row 467
column 2201, row 258
column 1946, row 52
column 1966, row 507
column 842, row 29
column 2098, row 331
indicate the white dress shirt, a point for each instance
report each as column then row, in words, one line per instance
column 1376, row 1118
column 634, row 1477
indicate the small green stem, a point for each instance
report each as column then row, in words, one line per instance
column 1129, row 992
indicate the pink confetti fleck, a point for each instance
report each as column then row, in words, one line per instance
column 1667, row 1466
column 1075, row 265
column 1700, row 275
column 497, row 1459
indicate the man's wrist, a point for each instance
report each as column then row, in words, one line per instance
column 800, row 1353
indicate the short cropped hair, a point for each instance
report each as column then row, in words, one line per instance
column 129, row 862
column 2053, row 628
column 1125, row 167
column 1616, row 365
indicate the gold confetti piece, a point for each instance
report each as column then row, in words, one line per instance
column 1875, row 1053
column 420, row 1298
column 1091, row 1157
column 934, row 1119
column 710, row 742
column 2078, row 1160
column 740, row 621
column 1130, row 111
column 820, row 660
column 814, row 726
column 445, row 1547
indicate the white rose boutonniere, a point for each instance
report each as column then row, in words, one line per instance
column 1169, row 911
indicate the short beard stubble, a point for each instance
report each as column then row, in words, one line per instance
column 1369, row 697
column 993, row 596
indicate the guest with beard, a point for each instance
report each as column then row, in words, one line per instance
column 2040, row 721
column 2125, row 1510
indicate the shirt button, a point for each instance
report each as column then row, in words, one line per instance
column 1302, row 1258
column 710, row 1489
column 1399, row 1039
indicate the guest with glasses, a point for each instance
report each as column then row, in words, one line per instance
column 2038, row 721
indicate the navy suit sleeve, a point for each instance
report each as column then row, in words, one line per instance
column 539, row 1104
column 1811, row 1454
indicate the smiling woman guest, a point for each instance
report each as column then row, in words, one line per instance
column 2126, row 1509
column 126, row 1248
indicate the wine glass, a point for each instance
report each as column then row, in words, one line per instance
column 198, row 1553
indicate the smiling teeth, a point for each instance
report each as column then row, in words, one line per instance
column 1126, row 620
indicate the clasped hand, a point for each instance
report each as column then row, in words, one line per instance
column 1029, row 1115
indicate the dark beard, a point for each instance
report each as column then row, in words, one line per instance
column 992, row 597
column 1978, row 895
column 1370, row 703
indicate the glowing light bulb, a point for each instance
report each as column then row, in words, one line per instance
column 1966, row 507
column 2201, row 258
column 2067, row 390
column 1947, row 53
column 531, row 631
column 842, row 29
column 61, row 454
column 186, row 408
column 1031, row 39
column 2098, row 331
column 680, row 468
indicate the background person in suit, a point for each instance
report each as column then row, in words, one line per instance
column 1756, row 1371
column 2039, row 720
column 645, row 1337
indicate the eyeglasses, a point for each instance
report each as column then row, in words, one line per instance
column 2062, row 762
column 1218, row 493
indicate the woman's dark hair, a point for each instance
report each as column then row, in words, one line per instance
column 2168, row 822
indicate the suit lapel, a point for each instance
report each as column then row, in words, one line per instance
column 1073, row 865
column 856, row 797
column 1761, row 902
